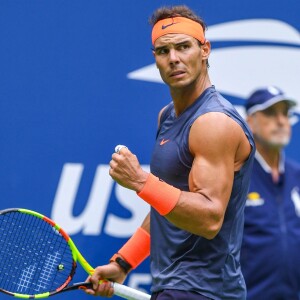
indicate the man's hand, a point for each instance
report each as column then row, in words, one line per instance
column 126, row 170
column 112, row 272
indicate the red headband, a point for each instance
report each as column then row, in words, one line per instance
column 178, row 25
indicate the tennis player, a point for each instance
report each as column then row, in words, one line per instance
column 199, row 180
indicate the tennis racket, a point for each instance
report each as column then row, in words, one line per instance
column 38, row 259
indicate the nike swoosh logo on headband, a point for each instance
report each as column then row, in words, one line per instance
column 166, row 26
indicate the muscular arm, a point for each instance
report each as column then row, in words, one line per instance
column 219, row 146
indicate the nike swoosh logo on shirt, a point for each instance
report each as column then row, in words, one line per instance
column 163, row 141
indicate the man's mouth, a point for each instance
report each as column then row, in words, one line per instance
column 177, row 73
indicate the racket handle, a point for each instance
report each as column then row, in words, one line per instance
column 129, row 293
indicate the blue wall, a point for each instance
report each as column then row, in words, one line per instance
column 77, row 78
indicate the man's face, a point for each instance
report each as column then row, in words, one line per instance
column 271, row 127
column 180, row 59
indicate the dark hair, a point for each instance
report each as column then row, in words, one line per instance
column 175, row 11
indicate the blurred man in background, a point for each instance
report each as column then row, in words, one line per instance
column 270, row 255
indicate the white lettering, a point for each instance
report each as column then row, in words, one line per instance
column 121, row 227
column 91, row 219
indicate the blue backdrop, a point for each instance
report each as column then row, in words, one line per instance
column 78, row 77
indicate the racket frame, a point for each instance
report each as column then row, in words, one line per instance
column 119, row 289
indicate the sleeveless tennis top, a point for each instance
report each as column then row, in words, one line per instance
column 179, row 259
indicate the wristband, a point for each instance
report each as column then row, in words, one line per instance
column 126, row 267
column 160, row 195
column 137, row 248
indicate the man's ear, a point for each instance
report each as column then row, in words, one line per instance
column 205, row 48
column 154, row 55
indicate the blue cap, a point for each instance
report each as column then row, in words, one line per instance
column 265, row 97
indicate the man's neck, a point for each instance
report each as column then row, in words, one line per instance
column 272, row 158
column 184, row 97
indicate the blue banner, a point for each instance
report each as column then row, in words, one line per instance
column 78, row 77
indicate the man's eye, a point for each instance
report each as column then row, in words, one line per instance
column 161, row 51
column 183, row 47
column 273, row 112
column 269, row 112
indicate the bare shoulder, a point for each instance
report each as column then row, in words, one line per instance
column 218, row 134
column 215, row 128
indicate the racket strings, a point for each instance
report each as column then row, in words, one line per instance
column 35, row 258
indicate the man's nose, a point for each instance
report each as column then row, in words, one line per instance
column 173, row 56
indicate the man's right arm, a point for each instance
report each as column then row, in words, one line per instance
column 113, row 271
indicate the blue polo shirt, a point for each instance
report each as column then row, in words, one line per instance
column 270, row 255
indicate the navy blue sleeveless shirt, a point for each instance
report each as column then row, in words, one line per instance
column 182, row 260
